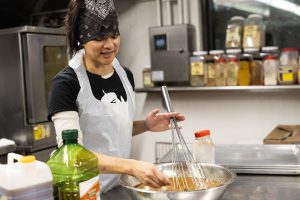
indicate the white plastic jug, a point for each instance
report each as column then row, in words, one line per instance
column 26, row 179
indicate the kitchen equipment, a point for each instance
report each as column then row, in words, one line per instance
column 215, row 172
column 30, row 58
column 259, row 158
column 192, row 170
column 254, row 158
column 170, row 50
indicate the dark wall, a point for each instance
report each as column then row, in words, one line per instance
column 18, row 12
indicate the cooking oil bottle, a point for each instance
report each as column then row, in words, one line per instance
column 75, row 170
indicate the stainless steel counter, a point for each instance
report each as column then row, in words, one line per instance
column 252, row 187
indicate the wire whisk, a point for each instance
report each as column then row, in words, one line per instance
column 188, row 174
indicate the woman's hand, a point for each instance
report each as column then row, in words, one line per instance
column 148, row 174
column 157, row 122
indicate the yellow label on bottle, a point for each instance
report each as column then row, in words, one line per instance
column 197, row 68
column 286, row 74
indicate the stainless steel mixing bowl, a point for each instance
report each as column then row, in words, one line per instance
column 213, row 171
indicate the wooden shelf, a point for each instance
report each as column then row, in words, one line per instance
column 277, row 88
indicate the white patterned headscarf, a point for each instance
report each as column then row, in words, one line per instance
column 98, row 19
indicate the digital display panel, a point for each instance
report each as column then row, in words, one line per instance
column 160, row 42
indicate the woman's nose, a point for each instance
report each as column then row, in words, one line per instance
column 108, row 42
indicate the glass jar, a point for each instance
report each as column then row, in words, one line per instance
column 203, row 147
column 220, row 72
column 244, row 69
column 254, row 32
column 198, row 76
column 147, row 80
column 256, row 67
column 288, row 66
column 212, row 58
column 234, row 32
column 232, row 70
column 270, row 70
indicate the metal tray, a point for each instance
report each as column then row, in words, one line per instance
column 259, row 158
column 255, row 158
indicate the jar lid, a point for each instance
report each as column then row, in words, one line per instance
column 251, row 49
column 255, row 16
column 221, row 60
column 270, row 57
column 232, row 59
column 202, row 133
column 216, row 52
column 270, row 48
column 233, row 51
column 289, row 49
column 199, row 53
column 237, row 18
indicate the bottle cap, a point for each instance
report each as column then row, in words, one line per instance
column 27, row 159
column 203, row 133
column 71, row 134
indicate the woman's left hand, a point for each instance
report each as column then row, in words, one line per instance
column 157, row 122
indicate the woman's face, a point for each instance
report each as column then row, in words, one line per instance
column 102, row 51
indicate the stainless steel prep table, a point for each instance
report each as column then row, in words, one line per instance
column 252, row 187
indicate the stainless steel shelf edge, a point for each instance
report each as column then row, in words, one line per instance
column 227, row 89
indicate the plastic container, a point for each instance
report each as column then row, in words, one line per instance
column 75, row 170
column 147, row 79
column 244, row 76
column 254, row 32
column 234, row 32
column 198, row 69
column 256, row 67
column 220, row 72
column 27, row 179
column 288, row 66
column 212, row 58
column 203, row 147
column 232, row 71
column 270, row 70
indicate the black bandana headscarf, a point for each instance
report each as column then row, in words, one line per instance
column 98, row 19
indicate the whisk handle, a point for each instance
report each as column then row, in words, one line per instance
column 166, row 98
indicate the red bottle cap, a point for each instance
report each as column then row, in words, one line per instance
column 202, row 133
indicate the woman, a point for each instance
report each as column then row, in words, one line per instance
column 95, row 95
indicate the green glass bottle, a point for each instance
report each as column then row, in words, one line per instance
column 75, row 170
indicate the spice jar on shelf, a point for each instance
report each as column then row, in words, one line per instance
column 244, row 76
column 147, row 78
column 256, row 67
column 234, row 32
column 212, row 58
column 232, row 70
column 198, row 76
column 220, row 72
column 288, row 66
column 203, row 147
column 270, row 70
column 254, row 32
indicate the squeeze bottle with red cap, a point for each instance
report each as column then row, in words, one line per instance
column 203, row 147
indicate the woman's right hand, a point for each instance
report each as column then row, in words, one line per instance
column 148, row 174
